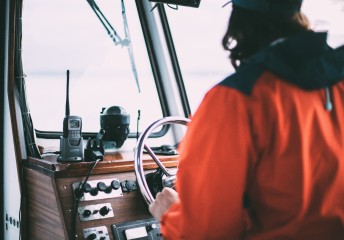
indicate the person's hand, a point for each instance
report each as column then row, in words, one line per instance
column 163, row 202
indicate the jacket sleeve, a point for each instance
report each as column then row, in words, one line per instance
column 215, row 155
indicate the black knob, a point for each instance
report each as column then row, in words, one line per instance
column 92, row 236
column 108, row 190
column 151, row 227
column 86, row 187
column 94, row 191
column 104, row 210
column 79, row 193
column 101, row 186
column 131, row 185
column 86, row 213
column 115, row 184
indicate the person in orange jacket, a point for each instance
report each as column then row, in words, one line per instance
column 263, row 157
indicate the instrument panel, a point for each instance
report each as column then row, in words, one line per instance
column 109, row 207
column 64, row 202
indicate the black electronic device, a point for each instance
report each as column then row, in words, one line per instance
column 71, row 144
column 187, row 3
column 114, row 126
column 139, row 229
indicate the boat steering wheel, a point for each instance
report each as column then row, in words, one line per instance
column 140, row 146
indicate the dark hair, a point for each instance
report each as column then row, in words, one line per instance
column 252, row 30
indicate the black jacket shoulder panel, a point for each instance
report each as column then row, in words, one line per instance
column 304, row 60
column 244, row 78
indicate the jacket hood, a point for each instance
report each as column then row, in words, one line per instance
column 305, row 60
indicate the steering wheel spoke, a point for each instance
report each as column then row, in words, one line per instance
column 157, row 161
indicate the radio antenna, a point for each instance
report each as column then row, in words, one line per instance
column 67, row 95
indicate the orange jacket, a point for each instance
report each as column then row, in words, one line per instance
column 263, row 158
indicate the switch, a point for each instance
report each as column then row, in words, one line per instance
column 92, row 236
column 86, row 213
column 93, row 212
column 104, row 210
column 93, row 233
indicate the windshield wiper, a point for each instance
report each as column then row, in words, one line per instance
column 130, row 49
column 126, row 42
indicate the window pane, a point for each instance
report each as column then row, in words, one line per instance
column 197, row 34
column 63, row 34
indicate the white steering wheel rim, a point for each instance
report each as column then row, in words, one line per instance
column 138, row 163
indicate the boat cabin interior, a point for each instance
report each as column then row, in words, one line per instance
column 97, row 96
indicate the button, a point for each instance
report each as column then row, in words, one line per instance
column 94, row 191
column 108, row 190
column 101, row 186
column 86, row 187
column 115, row 184
column 131, row 186
column 151, row 227
column 79, row 193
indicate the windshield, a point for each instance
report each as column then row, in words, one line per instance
column 61, row 35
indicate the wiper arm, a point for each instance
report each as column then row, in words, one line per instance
column 110, row 30
column 130, row 49
column 115, row 37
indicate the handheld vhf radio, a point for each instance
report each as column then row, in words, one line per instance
column 71, row 144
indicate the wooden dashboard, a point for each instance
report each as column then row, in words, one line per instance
column 52, row 212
